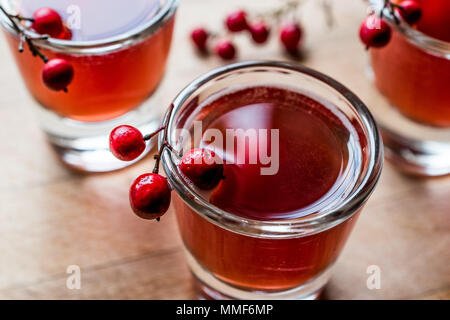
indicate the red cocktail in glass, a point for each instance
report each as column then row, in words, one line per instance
column 415, row 81
column 412, row 71
column 119, row 52
column 271, row 228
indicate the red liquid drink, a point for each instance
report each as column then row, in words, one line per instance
column 415, row 81
column 106, row 84
column 413, row 78
column 260, row 264
column 313, row 154
column 271, row 233
column 312, row 148
column 118, row 50
column 412, row 72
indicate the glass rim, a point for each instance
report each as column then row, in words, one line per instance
column 281, row 228
column 414, row 36
column 111, row 43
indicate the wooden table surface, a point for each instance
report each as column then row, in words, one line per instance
column 51, row 218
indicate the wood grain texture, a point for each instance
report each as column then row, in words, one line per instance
column 51, row 218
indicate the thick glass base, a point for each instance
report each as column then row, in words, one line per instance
column 90, row 154
column 84, row 146
column 209, row 287
column 417, row 157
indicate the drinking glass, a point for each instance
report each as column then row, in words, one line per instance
column 232, row 257
column 113, row 77
column 413, row 74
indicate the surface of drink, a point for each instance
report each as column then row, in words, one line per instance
column 319, row 148
column 95, row 20
column 312, row 147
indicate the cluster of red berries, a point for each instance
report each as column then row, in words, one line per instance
column 259, row 30
column 376, row 32
column 57, row 73
column 150, row 193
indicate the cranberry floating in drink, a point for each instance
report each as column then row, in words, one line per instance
column 118, row 51
column 301, row 155
column 412, row 71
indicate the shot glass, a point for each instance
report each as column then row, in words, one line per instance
column 413, row 74
column 232, row 257
column 114, row 76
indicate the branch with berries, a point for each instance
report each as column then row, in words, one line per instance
column 150, row 194
column 57, row 73
column 258, row 27
column 375, row 32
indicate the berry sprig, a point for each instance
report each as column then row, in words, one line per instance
column 150, row 193
column 57, row 73
column 375, row 32
column 258, row 27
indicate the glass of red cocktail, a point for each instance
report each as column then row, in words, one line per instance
column 301, row 156
column 118, row 51
column 413, row 73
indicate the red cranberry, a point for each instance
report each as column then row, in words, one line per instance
column 150, row 196
column 66, row 34
column 410, row 11
column 226, row 50
column 291, row 36
column 57, row 74
column 201, row 167
column 237, row 21
column 375, row 32
column 260, row 32
column 200, row 38
column 126, row 143
column 47, row 21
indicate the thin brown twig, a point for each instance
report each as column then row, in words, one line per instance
column 165, row 144
column 151, row 135
column 20, row 18
column 391, row 6
column 23, row 36
column 328, row 10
